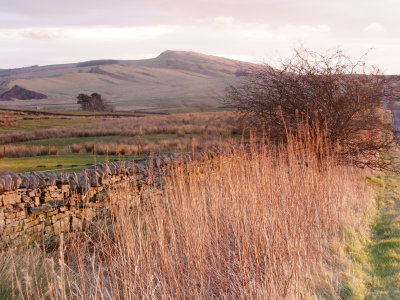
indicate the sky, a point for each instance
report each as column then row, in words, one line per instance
column 41, row 32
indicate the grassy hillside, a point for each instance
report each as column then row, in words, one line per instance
column 173, row 80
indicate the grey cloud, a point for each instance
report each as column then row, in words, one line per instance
column 339, row 13
column 43, row 35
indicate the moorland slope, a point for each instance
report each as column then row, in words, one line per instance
column 172, row 80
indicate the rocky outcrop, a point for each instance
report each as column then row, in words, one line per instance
column 98, row 70
column 100, row 62
column 20, row 93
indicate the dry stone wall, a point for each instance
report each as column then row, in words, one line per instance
column 36, row 206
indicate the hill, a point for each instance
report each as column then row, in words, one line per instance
column 172, row 80
column 19, row 93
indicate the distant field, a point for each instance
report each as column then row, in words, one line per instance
column 63, row 142
column 37, row 124
column 35, row 143
column 84, row 113
column 67, row 162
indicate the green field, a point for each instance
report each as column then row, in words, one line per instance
column 82, row 113
column 69, row 161
column 194, row 130
column 36, row 124
column 66, row 162
column 63, row 142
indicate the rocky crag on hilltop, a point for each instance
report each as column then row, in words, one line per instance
column 20, row 93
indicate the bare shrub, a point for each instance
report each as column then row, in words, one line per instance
column 53, row 151
column 41, row 150
column 7, row 121
column 89, row 147
column 102, row 149
column 75, row 148
column 325, row 90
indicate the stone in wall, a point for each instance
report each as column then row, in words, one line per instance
column 38, row 205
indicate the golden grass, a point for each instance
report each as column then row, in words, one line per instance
column 257, row 222
column 139, row 146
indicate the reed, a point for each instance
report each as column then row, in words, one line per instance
column 256, row 222
column 13, row 151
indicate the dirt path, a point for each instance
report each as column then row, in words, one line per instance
column 385, row 246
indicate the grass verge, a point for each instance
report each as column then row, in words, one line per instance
column 385, row 245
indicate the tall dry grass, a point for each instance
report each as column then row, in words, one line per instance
column 257, row 222
column 12, row 151
column 143, row 146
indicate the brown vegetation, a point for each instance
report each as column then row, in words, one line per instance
column 200, row 143
column 326, row 90
column 253, row 223
column 7, row 122
column 13, row 151
column 76, row 148
column 215, row 123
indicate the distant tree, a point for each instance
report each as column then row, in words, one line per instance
column 323, row 90
column 94, row 102
column 84, row 100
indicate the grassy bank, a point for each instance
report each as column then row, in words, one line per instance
column 384, row 249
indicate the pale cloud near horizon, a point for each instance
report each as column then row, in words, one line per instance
column 375, row 27
column 48, row 31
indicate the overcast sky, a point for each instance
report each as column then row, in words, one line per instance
column 61, row 31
